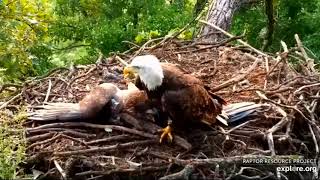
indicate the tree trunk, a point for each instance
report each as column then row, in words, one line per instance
column 220, row 14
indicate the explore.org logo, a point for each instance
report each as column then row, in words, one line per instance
column 285, row 165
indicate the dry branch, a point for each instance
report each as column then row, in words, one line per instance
column 10, row 101
column 59, row 168
column 117, row 171
column 178, row 140
column 239, row 77
column 95, row 126
column 230, row 35
column 108, row 139
column 104, row 149
column 183, row 174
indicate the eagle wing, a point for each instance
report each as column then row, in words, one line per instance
column 176, row 77
column 191, row 104
column 97, row 99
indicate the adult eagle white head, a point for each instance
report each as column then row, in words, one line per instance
column 148, row 69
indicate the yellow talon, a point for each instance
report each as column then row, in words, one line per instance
column 167, row 132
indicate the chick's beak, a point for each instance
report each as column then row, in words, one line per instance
column 129, row 73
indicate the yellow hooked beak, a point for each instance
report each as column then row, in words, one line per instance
column 129, row 73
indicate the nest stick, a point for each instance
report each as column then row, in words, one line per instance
column 59, row 168
column 96, row 126
column 239, row 77
column 48, row 91
column 183, row 174
column 105, row 148
column 9, row 101
column 230, row 35
column 120, row 170
column 121, row 61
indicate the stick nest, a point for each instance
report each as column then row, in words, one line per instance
column 118, row 150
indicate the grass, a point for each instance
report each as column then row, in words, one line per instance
column 12, row 143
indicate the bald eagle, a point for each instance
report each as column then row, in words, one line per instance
column 182, row 96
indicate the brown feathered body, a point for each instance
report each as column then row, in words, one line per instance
column 184, row 97
column 134, row 98
column 102, row 102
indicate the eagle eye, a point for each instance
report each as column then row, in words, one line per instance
column 136, row 67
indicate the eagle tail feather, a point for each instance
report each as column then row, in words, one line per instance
column 55, row 111
column 236, row 112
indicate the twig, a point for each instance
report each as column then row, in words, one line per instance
column 167, row 38
column 98, row 61
column 5, row 86
column 306, row 86
column 267, row 71
column 270, row 132
column 52, row 71
column 309, row 61
column 183, row 174
column 108, row 139
column 240, row 125
column 131, row 43
column 40, row 137
column 147, row 43
column 285, row 106
column 314, row 140
column 59, row 168
column 279, row 60
column 300, row 46
column 64, row 131
column 239, row 77
column 97, row 126
column 45, row 141
column 210, row 46
column 223, row 42
column 230, row 35
column 278, row 126
column 122, row 61
column 83, row 75
column 75, row 140
column 9, row 101
column 118, row 170
column 284, row 46
column 48, row 92
column 104, row 149
column 257, row 151
column 178, row 140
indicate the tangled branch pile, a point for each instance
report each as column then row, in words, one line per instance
column 119, row 150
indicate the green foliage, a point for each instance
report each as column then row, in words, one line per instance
column 37, row 35
column 145, row 36
column 12, row 144
column 105, row 24
column 292, row 17
column 23, row 24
